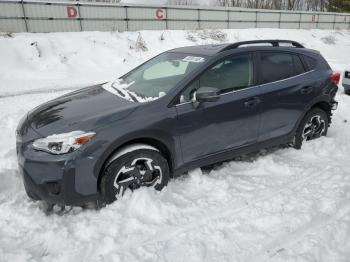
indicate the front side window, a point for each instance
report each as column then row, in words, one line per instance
column 277, row 66
column 231, row 74
column 154, row 78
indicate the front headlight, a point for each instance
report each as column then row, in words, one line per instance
column 63, row 143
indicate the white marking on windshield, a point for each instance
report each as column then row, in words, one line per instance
column 117, row 87
column 194, row 59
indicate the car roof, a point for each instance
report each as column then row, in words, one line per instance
column 206, row 50
column 210, row 50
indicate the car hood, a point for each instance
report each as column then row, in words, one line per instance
column 86, row 109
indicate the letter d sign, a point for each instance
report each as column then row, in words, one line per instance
column 72, row 12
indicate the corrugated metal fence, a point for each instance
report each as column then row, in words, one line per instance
column 31, row 16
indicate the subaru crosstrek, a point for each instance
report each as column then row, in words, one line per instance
column 185, row 108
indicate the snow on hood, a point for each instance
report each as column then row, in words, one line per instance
column 119, row 88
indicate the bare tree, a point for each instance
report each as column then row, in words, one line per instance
column 182, row 2
column 228, row 3
column 308, row 5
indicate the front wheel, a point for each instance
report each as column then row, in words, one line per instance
column 140, row 168
column 313, row 125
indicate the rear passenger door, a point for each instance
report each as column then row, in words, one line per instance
column 286, row 90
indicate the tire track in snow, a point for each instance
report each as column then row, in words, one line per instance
column 240, row 206
column 280, row 243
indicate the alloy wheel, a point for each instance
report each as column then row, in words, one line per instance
column 140, row 172
column 314, row 128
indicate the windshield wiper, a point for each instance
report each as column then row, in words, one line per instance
column 122, row 91
column 131, row 95
column 119, row 91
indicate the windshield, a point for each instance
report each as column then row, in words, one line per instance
column 155, row 78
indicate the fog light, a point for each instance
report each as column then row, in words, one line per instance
column 53, row 188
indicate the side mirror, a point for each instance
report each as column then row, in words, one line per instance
column 205, row 94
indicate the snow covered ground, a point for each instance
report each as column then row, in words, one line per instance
column 282, row 205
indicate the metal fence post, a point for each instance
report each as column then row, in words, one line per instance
column 279, row 19
column 300, row 20
column 80, row 18
column 335, row 18
column 199, row 18
column 126, row 18
column 228, row 18
column 24, row 15
column 256, row 19
column 166, row 18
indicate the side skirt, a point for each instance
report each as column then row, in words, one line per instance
column 232, row 153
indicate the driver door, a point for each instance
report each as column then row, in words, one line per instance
column 230, row 122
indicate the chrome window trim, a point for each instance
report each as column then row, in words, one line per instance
column 257, row 85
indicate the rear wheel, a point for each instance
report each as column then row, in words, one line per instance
column 313, row 125
column 139, row 168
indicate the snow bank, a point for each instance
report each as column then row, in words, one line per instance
column 56, row 61
column 281, row 205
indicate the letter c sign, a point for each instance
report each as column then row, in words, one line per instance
column 72, row 12
column 160, row 14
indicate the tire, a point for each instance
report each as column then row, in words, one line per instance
column 314, row 125
column 347, row 92
column 139, row 168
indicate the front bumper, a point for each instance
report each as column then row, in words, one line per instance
column 52, row 178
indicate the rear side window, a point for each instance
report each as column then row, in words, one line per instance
column 277, row 66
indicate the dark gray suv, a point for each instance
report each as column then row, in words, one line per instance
column 185, row 108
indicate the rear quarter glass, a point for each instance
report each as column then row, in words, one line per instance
column 315, row 62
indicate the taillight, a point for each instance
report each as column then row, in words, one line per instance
column 335, row 78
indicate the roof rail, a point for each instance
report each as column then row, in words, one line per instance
column 274, row 43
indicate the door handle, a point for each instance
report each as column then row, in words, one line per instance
column 306, row 90
column 251, row 102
